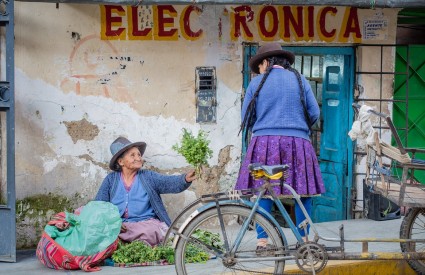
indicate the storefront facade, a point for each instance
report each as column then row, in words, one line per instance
column 86, row 74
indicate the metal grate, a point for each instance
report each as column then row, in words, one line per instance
column 206, row 95
column 311, row 66
column 381, row 100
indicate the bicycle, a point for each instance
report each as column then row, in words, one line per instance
column 236, row 248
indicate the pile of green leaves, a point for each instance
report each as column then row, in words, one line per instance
column 195, row 255
column 209, row 238
column 139, row 252
column 195, row 150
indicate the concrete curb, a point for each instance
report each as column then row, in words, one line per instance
column 378, row 267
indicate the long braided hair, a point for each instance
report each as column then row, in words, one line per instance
column 250, row 116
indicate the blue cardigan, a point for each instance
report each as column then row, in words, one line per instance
column 154, row 183
column 279, row 111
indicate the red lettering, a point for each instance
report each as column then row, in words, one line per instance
column 135, row 31
column 113, row 20
column 164, row 22
column 243, row 14
column 186, row 22
column 322, row 21
column 352, row 24
column 290, row 20
column 272, row 13
column 310, row 16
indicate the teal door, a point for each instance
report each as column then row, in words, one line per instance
column 330, row 71
column 335, row 203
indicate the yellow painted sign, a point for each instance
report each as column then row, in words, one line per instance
column 248, row 23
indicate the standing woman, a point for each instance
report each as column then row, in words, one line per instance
column 279, row 108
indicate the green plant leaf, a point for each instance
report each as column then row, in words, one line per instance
column 195, row 150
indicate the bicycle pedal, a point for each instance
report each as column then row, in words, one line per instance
column 303, row 224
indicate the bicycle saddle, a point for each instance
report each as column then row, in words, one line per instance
column 269, row 170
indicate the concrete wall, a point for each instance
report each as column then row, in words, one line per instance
column 78, row 88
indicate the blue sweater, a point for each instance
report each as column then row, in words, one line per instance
column 279, row 110
column 134, row 205
column 153, row 183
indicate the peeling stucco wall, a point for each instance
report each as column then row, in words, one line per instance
column 81, row 130
column 76, row 93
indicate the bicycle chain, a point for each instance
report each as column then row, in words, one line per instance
column 264, row 272
column 256, row 271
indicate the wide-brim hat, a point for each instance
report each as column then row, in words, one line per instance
column 120, row 145
column 267, row 50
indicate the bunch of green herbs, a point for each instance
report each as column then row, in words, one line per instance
column 195, row 150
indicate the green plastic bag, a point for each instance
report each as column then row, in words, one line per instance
column 97, row 227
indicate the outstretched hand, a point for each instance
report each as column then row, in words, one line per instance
column 190, row 176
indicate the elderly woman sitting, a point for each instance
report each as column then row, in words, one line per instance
column 136, row 193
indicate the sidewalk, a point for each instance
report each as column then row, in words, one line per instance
column 28, row 264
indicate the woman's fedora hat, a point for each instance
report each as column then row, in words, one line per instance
column 267, row 50
column 120, row 145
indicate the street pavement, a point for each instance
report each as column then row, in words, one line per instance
column 28, row 264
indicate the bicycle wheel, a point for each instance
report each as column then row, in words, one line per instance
column 209, row 221
column 413, row 227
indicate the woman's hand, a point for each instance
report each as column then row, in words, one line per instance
column 190, row 176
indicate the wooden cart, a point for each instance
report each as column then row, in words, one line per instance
column 390, row 171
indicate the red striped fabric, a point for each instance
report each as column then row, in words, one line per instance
column 52, row 255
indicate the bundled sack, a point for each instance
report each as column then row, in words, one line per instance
column 72, row 241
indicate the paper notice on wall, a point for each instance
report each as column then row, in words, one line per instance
column 376, row 29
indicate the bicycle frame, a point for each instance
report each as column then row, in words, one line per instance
column 268, row 187
column 216, row 204
column 220, row 199
column 255, row 208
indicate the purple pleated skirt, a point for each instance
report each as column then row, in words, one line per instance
column 303, row 174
